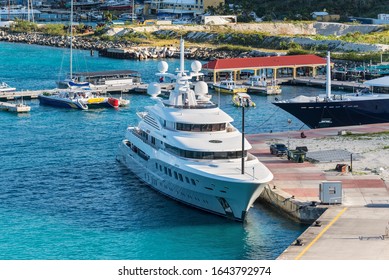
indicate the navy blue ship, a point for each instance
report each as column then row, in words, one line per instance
column 331, row 110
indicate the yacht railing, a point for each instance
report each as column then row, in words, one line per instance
column 199, row 106
column 249, row 157
column 136, row 132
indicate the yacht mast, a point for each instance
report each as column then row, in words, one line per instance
column 28, row 10
column 71, row 40
column 328, row 77
column 182, row 67
column 133, row 11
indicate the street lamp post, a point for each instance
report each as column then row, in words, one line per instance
column 243, row 137
column 243, row 103
column 289, row 122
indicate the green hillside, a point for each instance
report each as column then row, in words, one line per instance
column 302, row 9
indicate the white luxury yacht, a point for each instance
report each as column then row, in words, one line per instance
column 186, row 148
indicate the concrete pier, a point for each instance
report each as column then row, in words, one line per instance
column 16, row 108
column 136, row 88
column 356, row 229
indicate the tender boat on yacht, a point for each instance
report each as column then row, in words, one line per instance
column 186, row 148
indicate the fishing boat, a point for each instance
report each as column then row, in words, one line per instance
column 4, row 87
column 333, row 110
column 229, row 86
column 186, row 148
column 242, row 99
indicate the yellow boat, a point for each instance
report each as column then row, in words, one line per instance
column 242, row 99
column 229, row 86
column 96, row 100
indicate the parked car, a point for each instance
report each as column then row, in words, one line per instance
column 278, row 149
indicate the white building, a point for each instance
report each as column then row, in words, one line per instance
column 318, row 14
column 178, row 8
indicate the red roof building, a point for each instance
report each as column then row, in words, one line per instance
column 237, row 65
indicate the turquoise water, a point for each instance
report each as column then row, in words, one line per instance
column 63, row 195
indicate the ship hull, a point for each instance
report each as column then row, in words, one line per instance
column 222, row 197
column 60, row 102
column 338, row 113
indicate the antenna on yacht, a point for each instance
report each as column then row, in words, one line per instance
column 182, row 68
column 328, row 76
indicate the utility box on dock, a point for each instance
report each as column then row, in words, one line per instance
column 330, row 192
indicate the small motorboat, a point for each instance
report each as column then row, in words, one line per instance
column 4, row 87
column 229, row 86
column 242, row 99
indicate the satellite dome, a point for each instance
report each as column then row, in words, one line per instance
column 163, row 66
column 196, row 66
column 154, row 89
column 201, row 88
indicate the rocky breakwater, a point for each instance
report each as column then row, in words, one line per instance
column 86, row 43
column 125, row 49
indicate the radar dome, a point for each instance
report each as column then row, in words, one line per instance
column 154, row 89
column 163, row 66
column 196, row 66
column 201, row 88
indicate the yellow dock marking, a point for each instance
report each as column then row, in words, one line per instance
column 321, row 233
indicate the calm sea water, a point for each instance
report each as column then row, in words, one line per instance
column 63, row 195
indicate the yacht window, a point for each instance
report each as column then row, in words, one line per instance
column 193, row 182
column 175, row 175
column 165, row 169
column 170, row 172
column 204, row 155
column 187, row 180
column 200, row 127
column 196, row 127
column 156, row 166
column 160, row 168
column 181, row 178
column 143, row 154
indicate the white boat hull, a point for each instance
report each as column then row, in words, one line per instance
column 227, row 198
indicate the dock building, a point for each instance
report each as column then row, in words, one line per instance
column 274, row 66
column 169, row 8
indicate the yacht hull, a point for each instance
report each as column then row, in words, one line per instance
column 61, row 102
column 231, row 199
column 338, row 113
